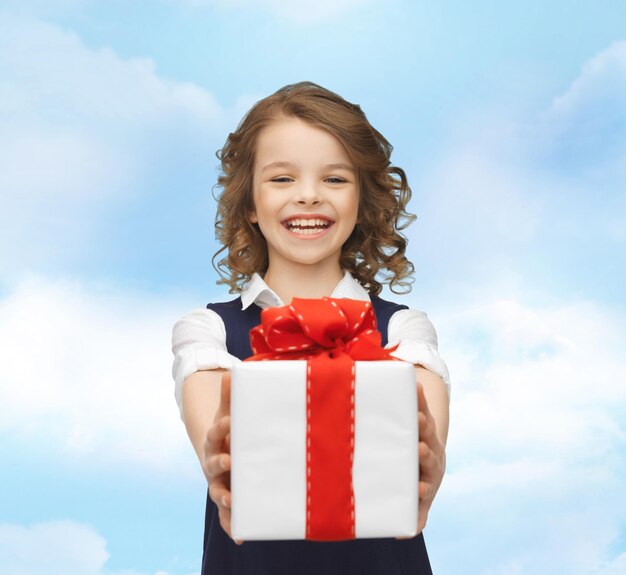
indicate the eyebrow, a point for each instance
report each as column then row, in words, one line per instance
column 338, row 166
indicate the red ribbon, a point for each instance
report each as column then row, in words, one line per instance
column 330, row 334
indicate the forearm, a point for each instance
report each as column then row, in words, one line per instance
column 201, row 398
column 437, row 400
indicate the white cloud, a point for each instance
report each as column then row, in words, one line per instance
column 537, row 443
column 58, row 547
column 530, row 195
column 482, row 220
column 87, row 375
column 73, row 115
column 602, row 80
column 84, row 131
column 537, row 432
column 616, row 567
column 584, row 128
column 537, row 440
column 55, row 548
column 476, row 208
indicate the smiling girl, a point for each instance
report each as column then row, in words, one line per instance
column 311, row 207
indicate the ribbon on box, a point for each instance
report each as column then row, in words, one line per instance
column 331, row 334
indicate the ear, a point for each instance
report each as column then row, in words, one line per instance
column 252, row 217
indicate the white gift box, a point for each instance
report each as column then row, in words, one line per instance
column 268, row 450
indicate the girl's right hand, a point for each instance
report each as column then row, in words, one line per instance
column 216, row 464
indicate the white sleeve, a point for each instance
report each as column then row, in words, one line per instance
column 198, row 343
column 417, row 340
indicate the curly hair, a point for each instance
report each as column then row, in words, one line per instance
column 375, row 244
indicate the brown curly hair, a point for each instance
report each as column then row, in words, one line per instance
column 375, row 244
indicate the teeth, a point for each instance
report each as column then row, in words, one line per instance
column 309, row 222
column 314, row 224
column 307, row 231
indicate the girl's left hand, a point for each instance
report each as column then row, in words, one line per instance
column 432, row 459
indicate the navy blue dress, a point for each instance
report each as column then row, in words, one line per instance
column 221, row 556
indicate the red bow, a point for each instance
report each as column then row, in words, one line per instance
column 309, row 327
column 330, row 334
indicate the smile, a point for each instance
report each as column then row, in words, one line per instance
column 308, row 228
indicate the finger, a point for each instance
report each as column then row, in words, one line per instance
column 219, row 494
column 224, row 515
column 422, row 515
column 427, row 422
column 226, row 500
column 427, row 458
column 218, row 432
column 225, row 392
column 421, row 522
column 428, row 431
column 225, row 522
column 217, row 464
column 425, row 489
column 227, row 443
column 422, row 404
column 422, row 423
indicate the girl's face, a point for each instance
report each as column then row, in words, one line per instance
column 305, row 193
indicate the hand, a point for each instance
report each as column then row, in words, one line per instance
column 216, row 463
column 432, row 458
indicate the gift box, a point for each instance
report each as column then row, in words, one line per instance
column 324, row 432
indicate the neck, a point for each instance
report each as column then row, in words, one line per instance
column 303, row 281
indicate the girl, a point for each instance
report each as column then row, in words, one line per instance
column 310, row 208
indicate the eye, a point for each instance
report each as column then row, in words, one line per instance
column 286, row 179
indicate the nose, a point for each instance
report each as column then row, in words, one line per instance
column 308, row 193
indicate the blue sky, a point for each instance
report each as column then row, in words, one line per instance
column 510, row 122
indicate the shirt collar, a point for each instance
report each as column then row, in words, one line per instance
column 258, row 292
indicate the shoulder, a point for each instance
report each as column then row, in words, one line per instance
column 204, row 323
column 412, row 323
column 417, row 341
column 200, row 324
column 405, row 320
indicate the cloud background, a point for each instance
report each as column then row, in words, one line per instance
column 510, row 127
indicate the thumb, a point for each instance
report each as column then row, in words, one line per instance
column 422, row 404
column 225, row 392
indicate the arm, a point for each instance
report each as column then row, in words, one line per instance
column 201, row 397
column 200, row 370
column 432, row 398
column 198, row 345
column 437, row 400
column 418, row 344
column 206, row 412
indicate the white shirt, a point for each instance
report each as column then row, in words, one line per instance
column 199, row 337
